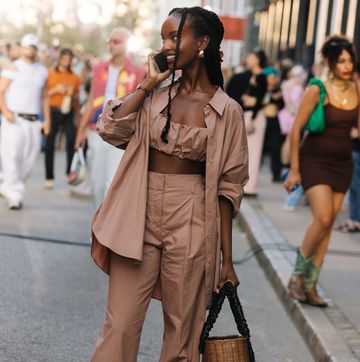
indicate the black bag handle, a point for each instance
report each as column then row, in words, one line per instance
column 227, row 290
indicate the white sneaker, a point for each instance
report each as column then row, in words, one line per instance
column 13, row 205
column 49, row 184
column 289, row 208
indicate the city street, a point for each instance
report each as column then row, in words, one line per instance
column 260, row 90
column 53, row 296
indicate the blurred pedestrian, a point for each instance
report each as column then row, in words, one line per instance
column 285, row 66
column 85, row 82
column 23, row 95
column 272, row 104
column 323, row 164
column 248, row 89
column 352, row 224
column 292, row 90
column 13, row 52
column 79, row 58
column 157, row 233
column 63, row 87
column 111, row 79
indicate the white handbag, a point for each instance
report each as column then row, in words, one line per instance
column 65, row 107
column 78, row 167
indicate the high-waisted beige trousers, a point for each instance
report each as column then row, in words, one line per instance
column 174, row 256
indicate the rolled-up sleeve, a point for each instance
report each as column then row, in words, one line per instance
column 235, row 172
column 116, row 131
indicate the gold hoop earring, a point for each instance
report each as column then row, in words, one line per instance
column 330, row 75
column 201, row 54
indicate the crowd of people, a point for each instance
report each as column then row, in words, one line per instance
column 61, row 91
column 269, row 94
column 278, row 101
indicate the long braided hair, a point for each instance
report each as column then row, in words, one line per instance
column 204, row 22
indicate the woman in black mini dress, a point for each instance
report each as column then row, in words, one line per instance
column 323, row 163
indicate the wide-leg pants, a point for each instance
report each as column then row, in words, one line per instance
column 20, row 146
column 173, row 257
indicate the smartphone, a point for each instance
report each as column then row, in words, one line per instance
column 161, row 62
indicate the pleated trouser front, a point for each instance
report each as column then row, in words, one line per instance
column 173, row 257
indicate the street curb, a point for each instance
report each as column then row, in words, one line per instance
column 324, row 340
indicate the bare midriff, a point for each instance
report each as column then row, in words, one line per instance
column 270, row 110
column 166, row 164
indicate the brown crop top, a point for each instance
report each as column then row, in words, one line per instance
column 184, row 141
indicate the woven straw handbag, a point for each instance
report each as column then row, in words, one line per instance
column 228, row 348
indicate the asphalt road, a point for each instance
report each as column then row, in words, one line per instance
column 52, row 296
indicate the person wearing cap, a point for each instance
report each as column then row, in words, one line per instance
column 111, row 79
column 23, row 97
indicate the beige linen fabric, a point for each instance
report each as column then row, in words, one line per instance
column 119, row 224
column 173, row 256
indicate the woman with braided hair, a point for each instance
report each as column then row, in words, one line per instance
column 164, row 228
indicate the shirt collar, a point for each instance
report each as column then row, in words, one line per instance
column 218, row 101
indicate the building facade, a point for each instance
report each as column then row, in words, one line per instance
column 233, row 14
column 297, row 28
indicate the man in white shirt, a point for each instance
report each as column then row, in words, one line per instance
column 23, row 95
column 111, row 79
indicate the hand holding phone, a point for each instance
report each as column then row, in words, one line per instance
column 156, row 71
column 161, row 62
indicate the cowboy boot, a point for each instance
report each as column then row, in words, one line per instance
column 311, row 277
column 296, row 285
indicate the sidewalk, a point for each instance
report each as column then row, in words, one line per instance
column 332, row 334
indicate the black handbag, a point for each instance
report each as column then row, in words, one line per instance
column 227, row 348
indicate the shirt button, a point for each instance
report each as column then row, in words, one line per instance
column 211, row 187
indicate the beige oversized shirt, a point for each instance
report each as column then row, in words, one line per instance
column 119, row 223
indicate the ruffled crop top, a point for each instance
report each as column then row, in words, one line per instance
column 184, row 142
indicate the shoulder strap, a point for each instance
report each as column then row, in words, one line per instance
column 320, row 84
